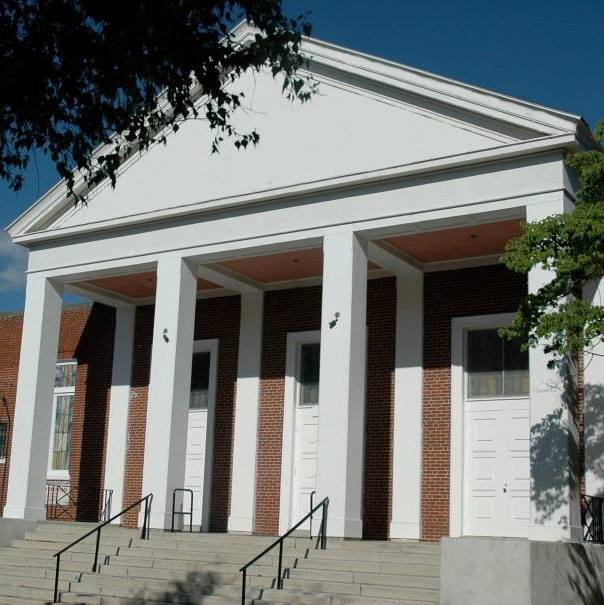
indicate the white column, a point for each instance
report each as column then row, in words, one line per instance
column 117, row 426
column 243, row 482
column 593, row 376
column 31, row 428
column 407, row 438
column 169, row 385
column 342, row 382
column 555, row 513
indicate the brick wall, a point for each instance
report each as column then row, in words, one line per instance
column 448, row 294
column 86, row 334
column 214, row 318
column 297, row 311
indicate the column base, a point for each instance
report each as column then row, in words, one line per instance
column 157, row 519
column 15, row 511
column 344, row 528
column 404, row 530
column 240, row 525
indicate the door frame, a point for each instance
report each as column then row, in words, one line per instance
column 290, row 399
column 459, row 328
column 209, row 345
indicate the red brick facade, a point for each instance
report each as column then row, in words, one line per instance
column 448, row 294
column 297, row 311
column 214, row 318
column 87, row 335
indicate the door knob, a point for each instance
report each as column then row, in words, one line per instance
column 505, row 488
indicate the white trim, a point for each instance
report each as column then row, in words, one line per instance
column 459, row 327
column 209, row 345
column 292, row 362
column 62, row 474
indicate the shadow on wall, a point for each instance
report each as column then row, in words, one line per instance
column 552, row 443
column 594, row 433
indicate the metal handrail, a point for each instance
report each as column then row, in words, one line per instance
column 591, row 519
column 321, row 542
column 148, row 499
column 182, row 512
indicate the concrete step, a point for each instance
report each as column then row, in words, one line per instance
column 62, row 539
column 53, row 547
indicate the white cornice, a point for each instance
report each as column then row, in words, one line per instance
column 465, row 160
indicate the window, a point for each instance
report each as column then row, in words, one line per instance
column 496, row 366
column 62, row 433
column 3, row 442
column 309, row 373
column 62, row 417
column 200, row 381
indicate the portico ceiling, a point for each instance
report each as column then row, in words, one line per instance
column 426, row 249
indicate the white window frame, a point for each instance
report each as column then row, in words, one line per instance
column 52, row 474
column 295, row 340
column 210, row 346
column 460, row 326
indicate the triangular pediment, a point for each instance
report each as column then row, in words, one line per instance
column 358, row 123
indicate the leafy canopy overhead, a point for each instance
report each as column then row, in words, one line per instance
column 76, row 72
column 572, row 247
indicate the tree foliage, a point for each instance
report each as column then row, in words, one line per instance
column 571, row 246
column 77, row 74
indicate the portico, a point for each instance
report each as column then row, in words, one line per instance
column 446, row 207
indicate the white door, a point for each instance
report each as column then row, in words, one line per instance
column 497, row 431
column 200, row 432
column 307, row 430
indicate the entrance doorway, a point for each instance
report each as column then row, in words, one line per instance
column 200, row 431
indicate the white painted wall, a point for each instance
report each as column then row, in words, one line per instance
column 299, row 143
column 555, row 512
column 594, row 405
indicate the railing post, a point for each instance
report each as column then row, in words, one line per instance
column 56, row 595
column 279, row 579
column 243, row 583
column 96, row 550
column 144, row 533
column 312, row 505
column 173, row 510
column 191, row 515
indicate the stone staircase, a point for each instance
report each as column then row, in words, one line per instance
column 203, row 569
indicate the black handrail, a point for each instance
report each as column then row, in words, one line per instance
column 107, row 502
column 312, row 503
column 321, row 542
column 182, row 512
column 148, row 499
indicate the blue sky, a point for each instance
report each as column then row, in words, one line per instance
column 547, row 51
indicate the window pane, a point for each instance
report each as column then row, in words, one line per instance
column 516, row 369
column 485, row 364
column 65, row 375
column 200, row 381
column 309, row 373
column 62, row 436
